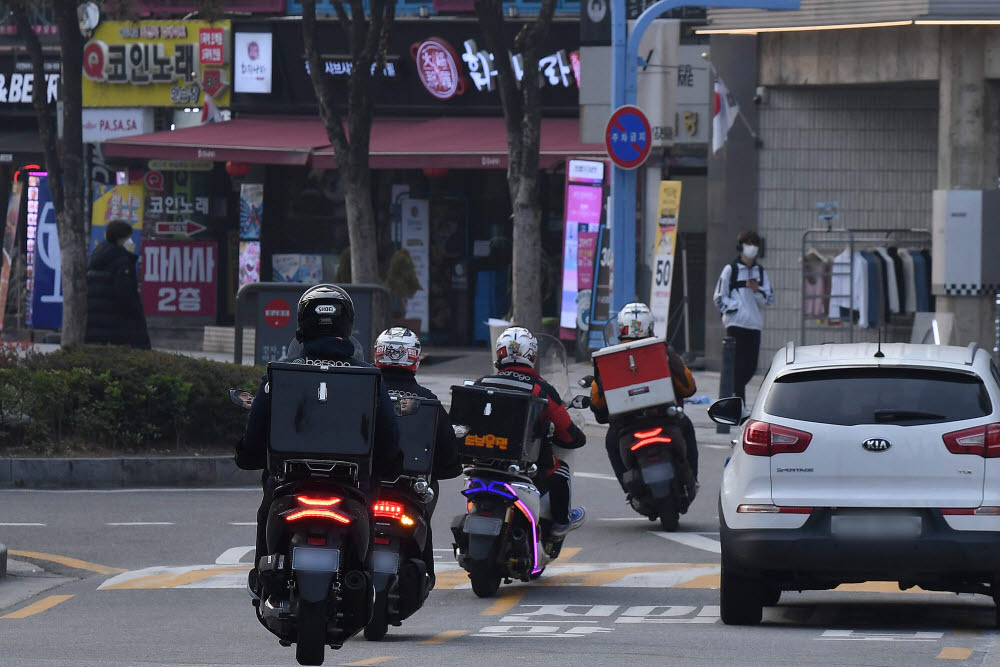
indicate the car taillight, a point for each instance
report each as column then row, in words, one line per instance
column 652, row 437
column 979, row 441
column 772, row 509
column 971, row 511
column 763, row 439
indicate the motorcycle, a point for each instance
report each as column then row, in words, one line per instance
column 505, row 534
column 316, row 581
column 401, row 529
column 658, row 479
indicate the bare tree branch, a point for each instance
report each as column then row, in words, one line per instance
column 338, row 6
column 323, row 86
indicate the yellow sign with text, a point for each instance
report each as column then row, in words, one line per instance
column 115, row 202
column 665, row 241
column 157, row 64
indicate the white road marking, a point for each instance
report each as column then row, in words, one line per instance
column 21, row 524
column 242, row 523
column 878, row 636
column 692, row 540
column 233, row 555
column 595, row 475
column 139, row 523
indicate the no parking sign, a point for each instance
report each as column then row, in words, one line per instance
column 628, row 137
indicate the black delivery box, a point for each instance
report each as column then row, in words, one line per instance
column 501, row 422
column 322, row 413
column 417, row 434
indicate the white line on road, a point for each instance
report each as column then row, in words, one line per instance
column 139, row 523
column 242, row 523
column 22, row 524
column 233, row 555
column 595, row 475
column 692, row 540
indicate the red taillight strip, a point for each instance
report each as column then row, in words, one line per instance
column 650, row 441
column 317, row 514
column 387, row 509
column 764, row 439
column 648, row 434
column 970, row 511
column 317, row 502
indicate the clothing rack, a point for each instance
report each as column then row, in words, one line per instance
column 828, row 242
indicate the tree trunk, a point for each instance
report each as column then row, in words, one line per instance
column 527, row 294
column 361, row 230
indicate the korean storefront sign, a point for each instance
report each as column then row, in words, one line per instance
column 584, row 205
column 694, row 83
column 176, row 202
column 663, row 254
column 99, row 125
column 252, row 62
column 157, row 64
column 179, row 277
column 17, row 81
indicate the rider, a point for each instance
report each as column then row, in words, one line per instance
column 397, row 354
column 516, row 352
column 325, row 322
column 635, row 322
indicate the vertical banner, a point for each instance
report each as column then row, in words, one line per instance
column 46, row 279
column 416, row 231
column 663, row 255
column 249, row 262
column 116, row 202
column 251, row 210
column 9, row 237
column 584, row 198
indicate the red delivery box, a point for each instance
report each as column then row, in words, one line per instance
column 635, row 375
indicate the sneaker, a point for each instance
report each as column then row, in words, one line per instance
column 576, row 518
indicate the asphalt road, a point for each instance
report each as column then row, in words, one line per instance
column 147, row 577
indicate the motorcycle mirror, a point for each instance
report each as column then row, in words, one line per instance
column 586, row 381
column 580, row 402
column 461, row 430
column 405, row 405
column 240, row 398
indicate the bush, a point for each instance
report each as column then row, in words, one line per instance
column 119, row 397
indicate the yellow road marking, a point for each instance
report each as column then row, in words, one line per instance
column 445, row 636
column 568, row 553
column 704, row 581
column 453, row 579
column 879, row 587
column 954, row 653
column 370, row 661
column 172, row 579
column 966, row 632
column 70, row 562
column 38, row 607
column 503, row 604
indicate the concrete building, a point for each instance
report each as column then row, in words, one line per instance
column 874, row 105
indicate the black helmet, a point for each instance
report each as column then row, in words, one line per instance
column 325, row 310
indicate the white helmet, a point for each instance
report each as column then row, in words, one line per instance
column 516, row 345
column 635, row 321
column 397, row 347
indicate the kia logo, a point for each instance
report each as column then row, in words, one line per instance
column 876, row 444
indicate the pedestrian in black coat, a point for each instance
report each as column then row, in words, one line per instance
column 114, row 309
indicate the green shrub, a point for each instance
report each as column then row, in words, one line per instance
column 121, row 398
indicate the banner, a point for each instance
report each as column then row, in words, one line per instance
column 179, row 278
column 157, row 64
column 251, row 210
column 249, row 262
column 9, row 237
column 293, row 268
column 416, row 230
column 46, row 279
column 115, row 202
column 584, row 198
column 663, row 255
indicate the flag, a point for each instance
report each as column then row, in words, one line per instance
column 210, row 113
column 726, row 111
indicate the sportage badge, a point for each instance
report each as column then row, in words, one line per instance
column 876, row 444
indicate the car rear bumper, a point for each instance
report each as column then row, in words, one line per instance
column 812, row 552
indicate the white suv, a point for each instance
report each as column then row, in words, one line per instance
column 862, row 463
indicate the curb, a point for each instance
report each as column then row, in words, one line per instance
column 124, row 472
column 3, row 561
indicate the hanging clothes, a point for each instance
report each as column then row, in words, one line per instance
column 816, row 284
column 859, row 296
column 921, row 282
column 930, row 272
column 840, row 286
column 892, row 285
column 897, row 263
column 874, row 289
column 909, row 281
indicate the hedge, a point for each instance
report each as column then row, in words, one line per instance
column 118, row 397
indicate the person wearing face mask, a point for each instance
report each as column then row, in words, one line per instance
column 114, row 308
column 742, row 290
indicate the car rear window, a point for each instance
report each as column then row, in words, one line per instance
column 907, row 397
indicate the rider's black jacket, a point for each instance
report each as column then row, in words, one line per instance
column 251, row 450
column 446, row 462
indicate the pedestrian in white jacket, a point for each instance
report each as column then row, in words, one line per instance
column 742, row 290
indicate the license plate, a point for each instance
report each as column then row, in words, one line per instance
column 386, row 562
column 482, row 525
column 658, row 472
column 873, row 526
column 309, row 559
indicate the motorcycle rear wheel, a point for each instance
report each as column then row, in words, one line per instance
column 311, row 640
column 379, row 625
column 669, row 516
column 485, row 581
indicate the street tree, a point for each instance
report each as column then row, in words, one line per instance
column 522, row 111
column 63, row 155
column 348, row 121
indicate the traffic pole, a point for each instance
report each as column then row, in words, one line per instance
column 727, row 376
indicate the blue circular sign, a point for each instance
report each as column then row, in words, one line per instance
column 628, row 137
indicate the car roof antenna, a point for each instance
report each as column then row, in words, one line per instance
column 878, row 352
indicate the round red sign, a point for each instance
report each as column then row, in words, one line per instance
column 437, row 65
column 277, row 313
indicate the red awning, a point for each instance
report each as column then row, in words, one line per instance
column 396, row 143
column 288, row 141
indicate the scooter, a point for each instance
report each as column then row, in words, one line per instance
column 316, row 580
column 402, row 512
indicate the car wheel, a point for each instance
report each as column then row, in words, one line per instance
column 741, row 598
